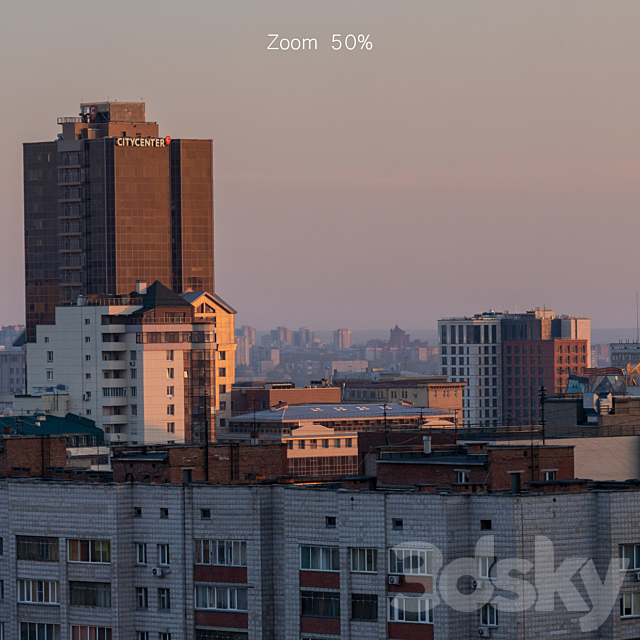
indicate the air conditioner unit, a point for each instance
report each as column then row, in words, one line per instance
column 395, row 579
column 477, row 584
column 484, row 632
column 160, row 572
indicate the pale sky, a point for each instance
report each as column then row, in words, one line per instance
column 481, row 155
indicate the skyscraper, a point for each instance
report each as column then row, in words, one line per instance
column 109, row 203
column 342, row 339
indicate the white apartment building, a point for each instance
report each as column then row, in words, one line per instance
column 150, row 367
column 470, row 352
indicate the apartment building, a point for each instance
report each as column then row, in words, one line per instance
column 473, row 350
column 148, row 367
column 165, row 561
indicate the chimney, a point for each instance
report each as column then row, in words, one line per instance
column 141, row 287
column 426, row 444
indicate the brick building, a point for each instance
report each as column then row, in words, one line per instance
column 261, row 396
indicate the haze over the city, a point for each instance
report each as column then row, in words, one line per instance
column 481, row 155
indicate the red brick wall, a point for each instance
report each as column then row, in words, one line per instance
column 243, row 402
column 320, row 625
column 531, row 460
column 222, row 619
column 413, row 584
column 320, row 579
column 440, row 474
column 410, row 631
column 220, row 574
column 28, row 452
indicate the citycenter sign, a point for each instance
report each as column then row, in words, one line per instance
column 143, row 142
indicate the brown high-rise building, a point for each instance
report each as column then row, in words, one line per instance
column 109, row 203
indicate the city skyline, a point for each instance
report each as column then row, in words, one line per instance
column 476, row 177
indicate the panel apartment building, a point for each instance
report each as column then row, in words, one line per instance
column 110, row 202
column 481, row 351
column 147, row 367
column 154, row 561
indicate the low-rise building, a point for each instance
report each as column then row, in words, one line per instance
column 246, row 398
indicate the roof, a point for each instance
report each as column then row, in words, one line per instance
column 158, row 295
column 192, row 296
column 323, row 412
column 71, row 424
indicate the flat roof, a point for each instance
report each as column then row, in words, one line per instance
column 330, row 411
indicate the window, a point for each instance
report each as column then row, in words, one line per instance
column 171, row 409
column 141, row 553
column 364, row 560
column 331, row 522
column 231, row 553
column 46, row 340
column 629, row 554
column 115, row 392
column 95, row 551
column 87, row 376
column 49, row 356
column 87, row 358
column 170, row 356
column 410, row 609
column 171, row 373
column 87, row 321
column 222, row 372
column 221, row 598
column 364, row 606
column 38, row 591
column 40, row 631
column 38, row 549
column 49, row 374
column 320, row 604
column 397, row 523
column 1, row 551
column 142, row 635
column 410, row 562
column 164, row 512
column 205, row 514
column 462, row 476
column 485, row 525
column 87, row 338
column 211, row 634
column 489, row 616
column 319, row 559
column 142, row 597
column 90, row 594
column 134, row 392
column 486, row 567
column 164, row 599
column 223, row 406
column 137, row 512
column 88, row 633
column 134, row 409
column 134, row 374
column 171, row 427
column 549, row 476
column 163, row 635
column 170, row 391
column 222, row 388
column 629, row 605
column 163, row 554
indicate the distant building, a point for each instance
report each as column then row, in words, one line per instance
column 12, row 371
column 270, row 356
column 303, row 338
column 10, row 333
column 343, row 366
column 263, row 396
column 342, row 339
column 625, row 353
column 149, row 367
column 472, row 350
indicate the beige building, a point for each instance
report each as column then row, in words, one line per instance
column 148, row 367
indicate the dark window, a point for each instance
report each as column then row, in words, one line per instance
column 321, row 604
column 137, row 512
column 211, row 634
column 397, row 523
column 205, row 514
column 485, row 525
column 364, row 606
column 331, row 521
column 39, row 549
column 90, row 594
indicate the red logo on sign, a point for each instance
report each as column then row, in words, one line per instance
column 167, row 139
column 93, row 112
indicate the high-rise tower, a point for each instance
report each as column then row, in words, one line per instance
column 109, row 203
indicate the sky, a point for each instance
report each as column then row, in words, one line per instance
column 480, row 155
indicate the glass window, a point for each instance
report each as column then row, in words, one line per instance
column 364, row 560
column 319, row 559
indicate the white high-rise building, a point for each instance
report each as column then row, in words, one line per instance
column 150, row 367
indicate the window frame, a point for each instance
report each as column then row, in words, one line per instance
column 334, row 558
column 91, row 550
column 211, row 549
column 356, row 559
column 209, row 597
column 425, row 610
column 410, row 552
column 47, row 586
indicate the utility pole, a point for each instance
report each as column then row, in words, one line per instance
column 543, row 398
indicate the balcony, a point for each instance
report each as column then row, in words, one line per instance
column 113, row 328
column 121, row 419
column 70, row 120
column 114, row 402
column 114, row 346
column 114, row 365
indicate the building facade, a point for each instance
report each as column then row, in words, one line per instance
column 148, row 367
column 110, row 202
column 142, row 560
column 342, row 339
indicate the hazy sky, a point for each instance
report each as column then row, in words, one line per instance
column 482, row 154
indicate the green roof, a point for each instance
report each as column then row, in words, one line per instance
column 70, row 425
